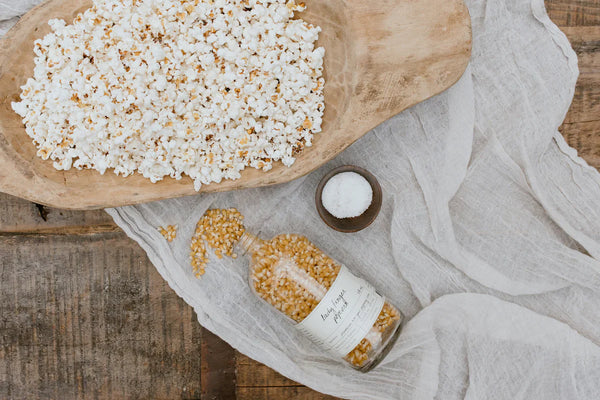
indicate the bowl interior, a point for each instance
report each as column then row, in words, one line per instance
column 18, row 66
column 349, row 225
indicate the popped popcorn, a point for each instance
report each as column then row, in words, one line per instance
column 171, row 87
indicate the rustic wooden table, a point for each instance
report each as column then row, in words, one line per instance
column 84, row 315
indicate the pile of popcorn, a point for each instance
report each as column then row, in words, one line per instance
column 171, row 87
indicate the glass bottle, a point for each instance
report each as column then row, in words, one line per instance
column 339, row 311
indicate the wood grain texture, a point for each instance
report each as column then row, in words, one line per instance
column 574, row 12
column 250, row 373
column 88, row 316
column 280, row 393
column 581, row 126
column 585, row 137
column 18, row 215
column 218, row 372
column 256, row 381
column 382, row 57
column 586, row 101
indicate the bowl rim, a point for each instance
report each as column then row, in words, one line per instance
column 375, row 206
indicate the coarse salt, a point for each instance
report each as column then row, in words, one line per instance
column 347, row 195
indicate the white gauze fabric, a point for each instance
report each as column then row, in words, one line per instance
column 488, row 239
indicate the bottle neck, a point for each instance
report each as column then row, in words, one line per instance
column 248, row 243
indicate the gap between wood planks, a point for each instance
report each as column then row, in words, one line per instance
column 66, row 230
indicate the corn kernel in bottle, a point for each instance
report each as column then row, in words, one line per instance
column 337, row 310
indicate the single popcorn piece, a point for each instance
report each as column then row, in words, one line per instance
column 203, row 88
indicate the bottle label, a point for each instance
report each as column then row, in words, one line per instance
column 344, row 316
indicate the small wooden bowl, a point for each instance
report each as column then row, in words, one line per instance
column 355, row 224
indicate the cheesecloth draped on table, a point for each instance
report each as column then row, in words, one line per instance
column 488, row 240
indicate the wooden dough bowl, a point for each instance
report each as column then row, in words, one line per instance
column 381, row 57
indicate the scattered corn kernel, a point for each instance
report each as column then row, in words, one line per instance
column 221, row 230
column 170, row 232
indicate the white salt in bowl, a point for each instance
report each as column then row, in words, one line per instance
column 354, row 224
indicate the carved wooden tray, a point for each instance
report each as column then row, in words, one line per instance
column 382, row 56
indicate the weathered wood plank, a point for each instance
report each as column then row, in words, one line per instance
column 17, row 215
column 257, row 381
column 580, row 21
column 252, row 373
column 586, row 43
column 574, row 12
column 88, row 317
column 218, row 373
column 585, row 137
column 280, row 393
column 586, row 101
